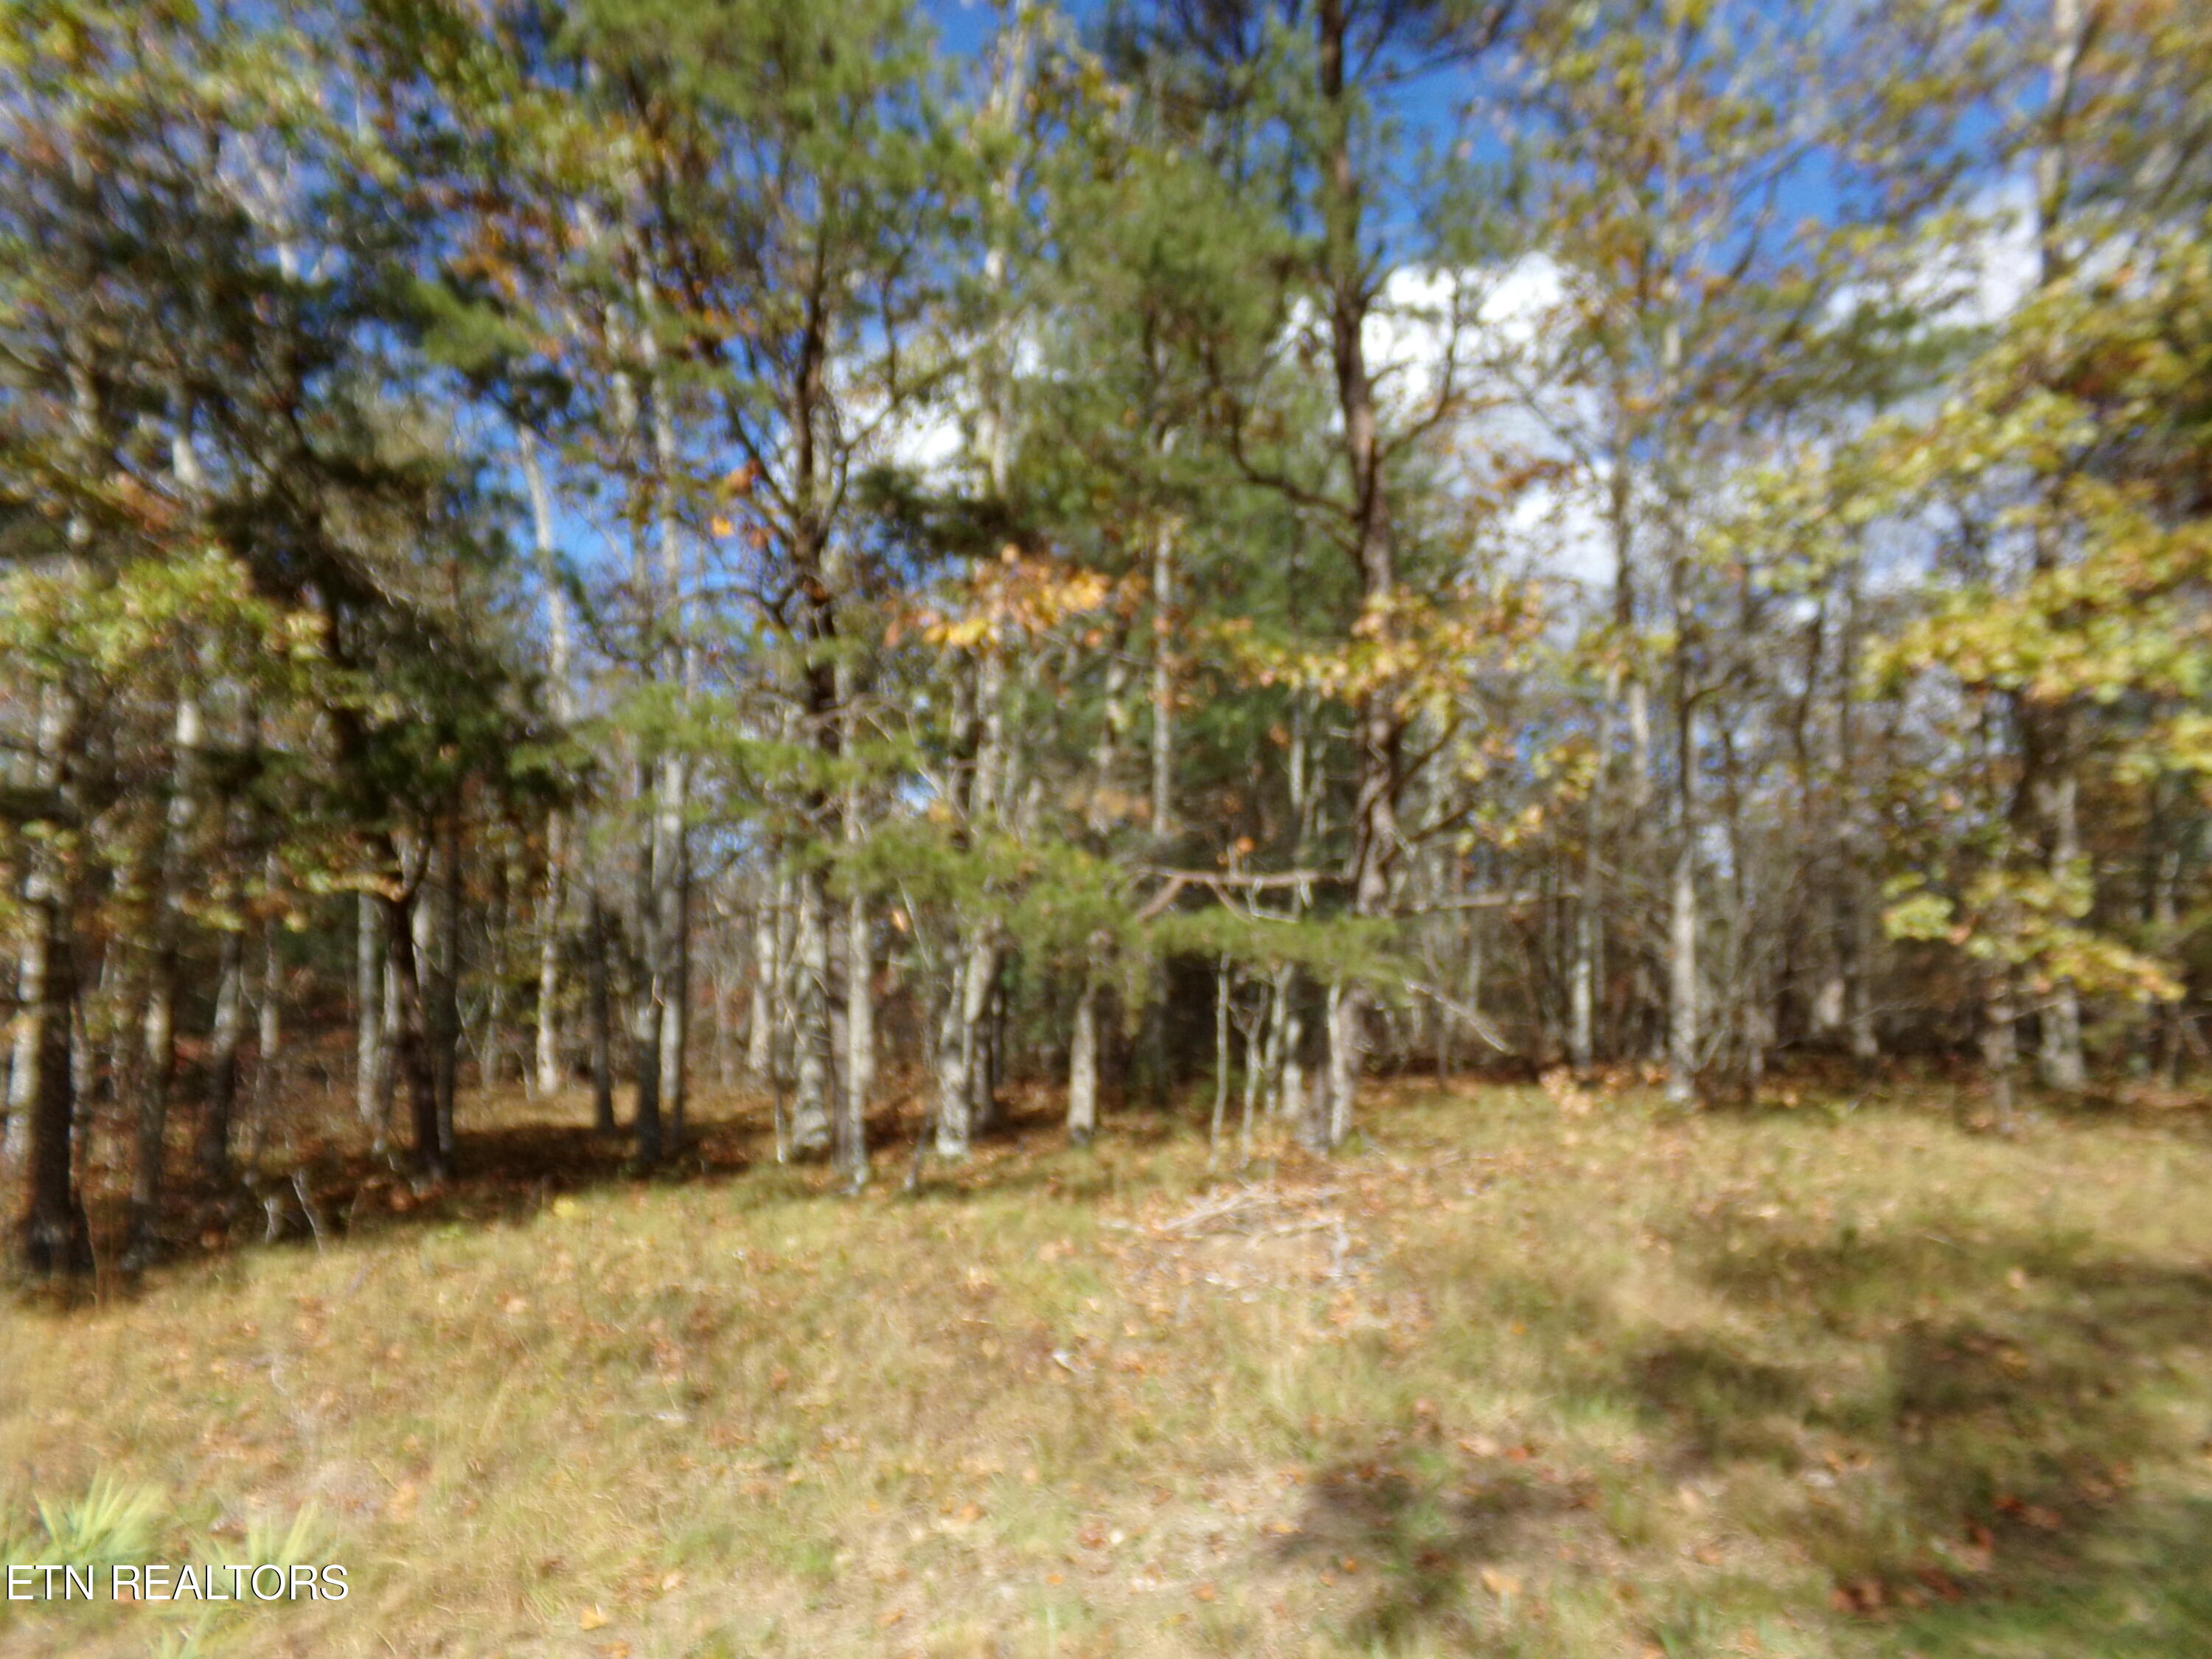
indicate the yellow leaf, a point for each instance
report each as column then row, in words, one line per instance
column 591, row 1619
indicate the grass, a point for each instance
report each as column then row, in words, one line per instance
column 1523, row 1374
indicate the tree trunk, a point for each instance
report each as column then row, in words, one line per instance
column 548, row 1055
column 369, row 1058
column 985, row 1031
column 2062, row 1063
column 1221, row 991
column 643, row 932
column 269, row 1062
column 158, row 1061
column 2051, row 781
column 672, row 971
column 1083, row 1064
column 224, row 1038
column 768, row 979
column 387, row 1068
column 443, row 959
column 405, row 927
column 1682, row 980
column 1682, row 1033
column 1347, row 1049
column 953, row 1134
column 726, row 1059
column 1851, row 921
column 53, row 1233
column 1581, row 1019
column 812, row 1132
column 1997, row 1046
column 600, row 1016
column 1164, row 826
column 1289, row 1097
column 858, row 1081
column 558, row 672
column 1379, row 729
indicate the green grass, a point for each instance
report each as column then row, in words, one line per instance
column 1508, row 1380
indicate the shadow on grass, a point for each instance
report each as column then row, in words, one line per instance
column 1420, row 1532
column 333, row 1186
column 1987, row 1443
column 1995, row 1475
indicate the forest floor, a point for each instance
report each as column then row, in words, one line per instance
column 1527, row 1372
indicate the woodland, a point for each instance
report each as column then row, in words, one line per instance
column 1203, row 546
column 1521, row 689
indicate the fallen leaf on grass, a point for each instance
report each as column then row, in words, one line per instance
column 1499, row 1585
column 591, row 1619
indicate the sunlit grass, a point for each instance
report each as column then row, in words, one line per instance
column 1509, row 1380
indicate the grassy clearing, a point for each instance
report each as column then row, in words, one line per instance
column 1525, row 1374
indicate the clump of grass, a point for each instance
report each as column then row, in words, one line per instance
column 115, row 1520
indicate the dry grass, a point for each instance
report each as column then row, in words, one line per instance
column 1526, row 1373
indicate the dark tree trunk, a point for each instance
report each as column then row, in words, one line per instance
column 55, row 1237
column 602, row 1035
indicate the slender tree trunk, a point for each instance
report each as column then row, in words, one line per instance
column 1682, row 980
column 2051, row 782
column 600, row 1016
column 1379, row 727
column 953, row 1135
column 725, row 1058
column 212, row 1150
column 1849, row 899
column 645, row 1042
column 984, row 1033
column 55, row 1237
column 387, row 1068
column 443, row 959
column 1682, row 1034
column 1164, row 826
column 405, row 927
column 672, row 973
column 768, row 979
column 54, row 1234
column 491, row 1052
column 1997, row 1045
column 860, row 1041
column 812, row 1132
column 2062, row 1063
column 269, row 1034
column 369, row 1061
column 224, row 1038
column 1253, row 1064
column 158, row 1062
column 1347, row 1048
column 645, row 1006
column 1083, row 1063
column 1221, row 992
column 556, row 840
column 548, row 1055
column 17, row 1093
column 1290, row 1101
